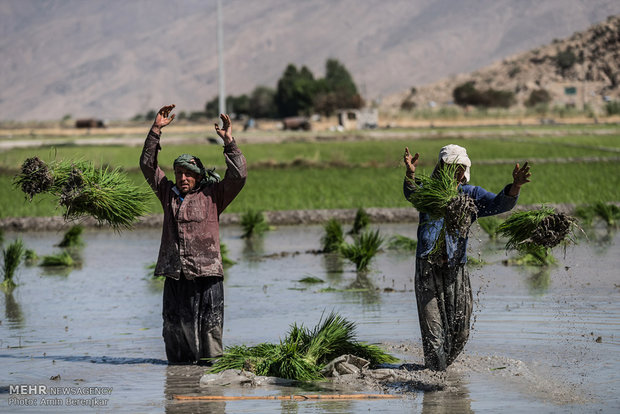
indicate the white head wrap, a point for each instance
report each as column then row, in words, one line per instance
column 453, row 154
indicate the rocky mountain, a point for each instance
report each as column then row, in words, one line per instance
column 582, row 70
column 112, row 59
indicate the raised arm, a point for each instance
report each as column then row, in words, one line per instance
column 148, row 160
column 411, row 162
column 236, row 167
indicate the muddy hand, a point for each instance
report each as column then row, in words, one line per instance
column 226, row 131
column 521, row 175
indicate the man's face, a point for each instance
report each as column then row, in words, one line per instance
column 185, row 179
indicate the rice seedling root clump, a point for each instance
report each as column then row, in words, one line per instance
column 34, row 177
column 461, row 212
column 552, row 230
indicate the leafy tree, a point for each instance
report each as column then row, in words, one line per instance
column 262, row 103
column 565, row 59
column 295, row 92
column 466, row 94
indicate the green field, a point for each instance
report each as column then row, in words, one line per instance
column 364, row 173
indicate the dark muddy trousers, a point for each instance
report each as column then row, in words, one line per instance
column 193, row 314
column 445, row 302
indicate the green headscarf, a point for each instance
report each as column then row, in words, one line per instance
column 194, row 164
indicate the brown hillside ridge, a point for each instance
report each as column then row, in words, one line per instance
column 591, row 81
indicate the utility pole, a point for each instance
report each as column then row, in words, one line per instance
column 220, row 60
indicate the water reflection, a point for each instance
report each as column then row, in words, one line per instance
column 13, row 311
column 333, row 264
column 539, row 281
column 447, row 401
column 185, row 380
column 253, row 248
column 363, row 287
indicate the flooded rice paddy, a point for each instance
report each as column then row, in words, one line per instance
column 543, row 341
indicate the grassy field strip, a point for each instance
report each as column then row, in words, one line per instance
column 334, row 188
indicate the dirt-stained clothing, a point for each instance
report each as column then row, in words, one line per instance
column 189, row 255
column 442, row 287
column 190, row 241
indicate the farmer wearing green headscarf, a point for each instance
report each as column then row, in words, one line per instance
column 189, row 254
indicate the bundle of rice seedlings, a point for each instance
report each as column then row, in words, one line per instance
column 12, row 256
column 490, row 225
column 400, row 242
column 63, row 259
column 226, row 261
column 360, row 222
column 363, row 249
column 84, row 190
column 439, row 197
column 303, row 352
column 542, row 227
column 73, row 237
column 333, row 237
column 253, row 224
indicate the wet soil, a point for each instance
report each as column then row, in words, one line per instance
column 542, row 341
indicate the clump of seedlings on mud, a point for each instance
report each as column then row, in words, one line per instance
column 363, row 249
column 360, row 222
column 73, row 237
column 12, row 257
column 85, row 190
column 62, row 259
column 490, row 225
column 253, row 223
column 438, row 196
column 534, row 233
column 333, row 237
column 303, row 352
column 400, row 242
column 226, row 261
column 608, row 213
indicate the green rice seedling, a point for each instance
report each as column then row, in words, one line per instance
column 360, row 222
column 490, row 225
column 85, row 190
column 363, row 249
column 253, row 223
column 12, row 256
column 30, row 257
column 73, row 237
column 333, row 237
column 226, row 261
column 531, row 254
column 434, row 192
column 62, row 259
column 400, row 242
column 303, row 352
column 311, row 280
column 610, row 213
column 542, row 227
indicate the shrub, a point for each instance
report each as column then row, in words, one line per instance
column 612, row 108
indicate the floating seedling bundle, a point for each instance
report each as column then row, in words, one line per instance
column 303, row 352
column 85, row 190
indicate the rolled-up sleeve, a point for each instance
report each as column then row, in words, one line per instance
column 490, row 204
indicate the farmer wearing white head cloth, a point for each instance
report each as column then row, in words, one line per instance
column 442, row 288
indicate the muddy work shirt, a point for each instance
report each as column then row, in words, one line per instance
column 488, row 204
column 190, row 241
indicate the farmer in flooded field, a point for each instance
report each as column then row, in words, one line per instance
column 442, row 288
column 189, row 254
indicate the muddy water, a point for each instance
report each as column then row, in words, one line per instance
column 533, row 348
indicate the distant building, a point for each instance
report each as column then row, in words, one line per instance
column 359, row 118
